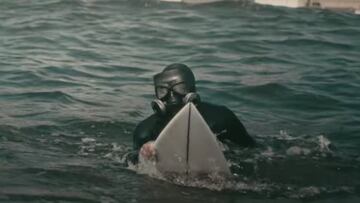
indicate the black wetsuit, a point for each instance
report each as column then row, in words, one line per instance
column 222, row 121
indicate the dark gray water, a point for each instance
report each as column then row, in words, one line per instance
column 75, row 79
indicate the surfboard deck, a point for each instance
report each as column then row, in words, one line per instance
column 188, row 146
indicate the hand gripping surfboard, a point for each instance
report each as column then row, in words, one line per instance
column 188, row 146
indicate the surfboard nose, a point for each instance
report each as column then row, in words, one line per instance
column 187, row 145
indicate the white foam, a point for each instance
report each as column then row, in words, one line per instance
column 296, row 150
column 324, row 143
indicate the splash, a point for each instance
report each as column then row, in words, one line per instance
column 284, row 145
column 213, row 181
column 112, row 151
column 296, row 151
column 145, row 166
column 288, row 166
column 324, row 144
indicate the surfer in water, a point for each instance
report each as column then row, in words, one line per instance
column 174, row 87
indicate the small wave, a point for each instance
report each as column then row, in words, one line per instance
column 38, row 79
column 313, row 43
column 349, row 31
column 51, row 96
column 275, row 89
column 40, row 194
column 267, row 60
column 290, row 98
column 226, row 73
column 98, row 74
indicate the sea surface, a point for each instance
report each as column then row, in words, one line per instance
column 76, row 78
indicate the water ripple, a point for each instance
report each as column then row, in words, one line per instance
column 76, row 78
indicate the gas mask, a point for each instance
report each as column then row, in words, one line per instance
column 174, row 87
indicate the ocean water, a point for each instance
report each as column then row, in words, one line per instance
column 76, row 78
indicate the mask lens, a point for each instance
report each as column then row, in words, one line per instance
column 161, row 92
column 180, row 88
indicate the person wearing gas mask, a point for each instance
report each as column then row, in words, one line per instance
column 174, row 87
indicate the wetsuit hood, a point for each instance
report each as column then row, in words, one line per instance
column 174, row 87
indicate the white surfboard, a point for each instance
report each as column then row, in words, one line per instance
column 188, row 146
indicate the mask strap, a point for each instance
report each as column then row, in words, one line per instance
column 158, row 106
column 191, row 97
